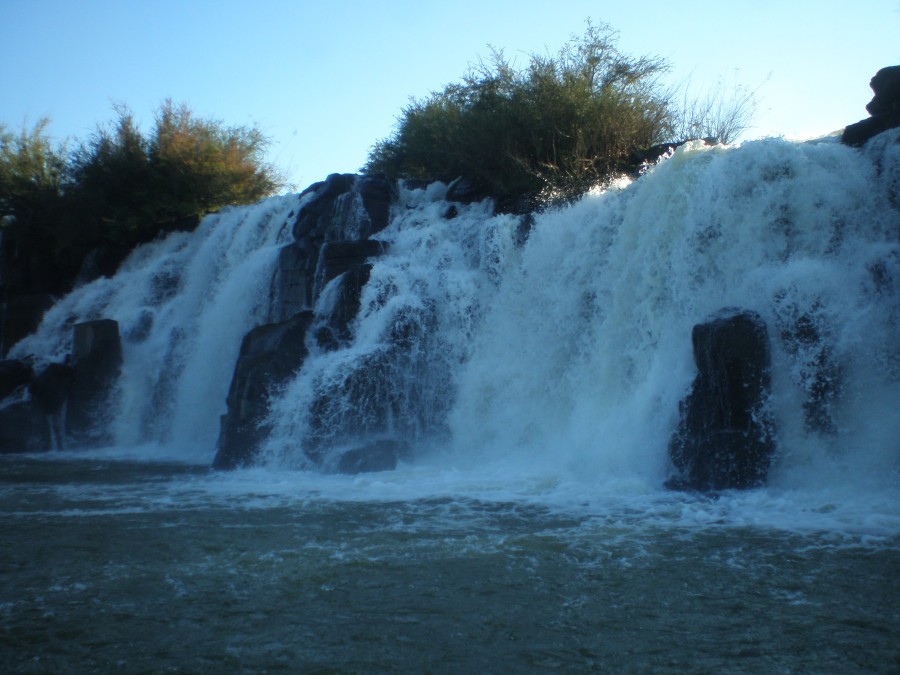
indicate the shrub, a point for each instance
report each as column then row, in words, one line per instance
column 119, row 189
column 135, row 187
column 548, row 131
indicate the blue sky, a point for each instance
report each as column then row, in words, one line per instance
column 327, row 80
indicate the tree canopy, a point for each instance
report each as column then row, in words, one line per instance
column 121, row 187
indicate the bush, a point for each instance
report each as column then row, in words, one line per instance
column 119, row 189
column 548, row 131
column 134, row 187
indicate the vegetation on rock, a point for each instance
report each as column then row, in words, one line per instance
column 554, row 128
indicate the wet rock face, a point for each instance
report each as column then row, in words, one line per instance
column 96, row 364
column 269, row 355
column 377, row 455
column 65, row 401
column 725, row 436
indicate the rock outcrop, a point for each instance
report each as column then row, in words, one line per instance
column 884, row 108
column 64, row 402
column 329, row 254
column 96, row 363
column 269, row 356
column 725, row 435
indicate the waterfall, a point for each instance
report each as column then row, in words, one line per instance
column 183, row 304
column 560, row 340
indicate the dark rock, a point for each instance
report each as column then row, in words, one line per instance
column 315, row 216
column 338, row 257
column 884, row 108
column 96, row 364
column 345, row 206
column 377, row 194
column 14, row 374
column 523, row 229
column 450, row 212
column 50, row 391
column 886, row 85
column 388, row 392
column 269, row 356
column 292, row 287
column 466, row 191
column 344, row 308
column 856, row 135
column 378, row 455
column 725, row 436
column 24, row 428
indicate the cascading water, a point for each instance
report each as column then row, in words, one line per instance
column 572, row 352
column 566, row 353
column 183, row 304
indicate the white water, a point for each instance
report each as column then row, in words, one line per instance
column 552, row 372
column 183, row 305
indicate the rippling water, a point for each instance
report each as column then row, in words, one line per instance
column 121, row 565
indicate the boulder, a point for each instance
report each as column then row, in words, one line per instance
column 886, row 85
column 725, row 435
column 884, row 108
column 377, row 455
column 377, row 193
column 96, row 364
column 269, row 355
column 344, row 209
column 387, row 392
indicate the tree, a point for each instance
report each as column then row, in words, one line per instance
column 31, row 173
column 118, row 189
column 135, row 187
column 547, row 131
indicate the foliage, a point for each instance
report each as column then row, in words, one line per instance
column 31, row 172
column 122, row 187
column 549, row 130
column 140, row 186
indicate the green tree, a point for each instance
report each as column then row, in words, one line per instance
column 129, row 187
column 118, row 189
column 549, row 130
column 200, row 165
column 32, row 171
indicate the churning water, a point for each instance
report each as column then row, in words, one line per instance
column 540, row 384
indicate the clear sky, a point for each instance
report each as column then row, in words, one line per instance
column 325, row 80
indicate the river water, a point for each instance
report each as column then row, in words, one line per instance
column 112, row 564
